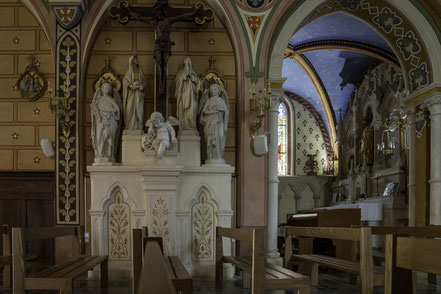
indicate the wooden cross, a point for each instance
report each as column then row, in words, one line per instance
column 162, row 16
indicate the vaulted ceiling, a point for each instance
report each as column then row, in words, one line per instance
column 326, row 59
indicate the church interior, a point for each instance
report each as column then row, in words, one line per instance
column 220, row 146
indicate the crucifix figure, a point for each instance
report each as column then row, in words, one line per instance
column 162, row 16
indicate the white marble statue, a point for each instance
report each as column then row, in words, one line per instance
column 186, row 93
column 133, row 95
column 160, row 135
column 106, row 113
column 213, row 113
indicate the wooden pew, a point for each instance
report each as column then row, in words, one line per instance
column 58, row 277
column 6, row 258
column 369, row 273
column 154, row 276
column 176, row 271
column 264, row 276
column 404, row 254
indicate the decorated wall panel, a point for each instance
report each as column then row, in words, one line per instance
column 23, row 123
column 308, row 140
column 203, row 224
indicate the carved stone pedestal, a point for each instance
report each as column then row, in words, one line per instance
column 189, row 148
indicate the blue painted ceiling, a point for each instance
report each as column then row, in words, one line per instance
column 336, row 69
column 338, row 26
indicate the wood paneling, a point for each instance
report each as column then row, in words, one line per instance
column 27, row 200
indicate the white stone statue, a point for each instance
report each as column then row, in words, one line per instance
column 133, row 95
column 160, row 135
column 213, row 113
column 106, row 113
column 186, row 93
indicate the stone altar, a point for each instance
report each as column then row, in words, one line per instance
column 183, row 203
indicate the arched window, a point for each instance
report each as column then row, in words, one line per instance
column 283, row 140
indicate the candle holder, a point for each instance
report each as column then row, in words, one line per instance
column 259, row 103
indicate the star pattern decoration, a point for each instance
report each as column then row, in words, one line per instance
column 37, row 64
column 15, row 87
column 108, row 41
column 211, row 42
column 15, row 136
column 37, row 159
column 37, row 111
column 16, row 40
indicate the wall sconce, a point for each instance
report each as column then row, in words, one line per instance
column 60, row 106
column 260, row 104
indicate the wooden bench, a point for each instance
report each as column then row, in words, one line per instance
column 58, row 277
column 155, row 276
column 369, row 274
column 176, row 271
column 6, row 258
column 404, row 254
column 263, row 276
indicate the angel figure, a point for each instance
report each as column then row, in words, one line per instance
column 213, row 113
column 160, row 134
column 106, row 121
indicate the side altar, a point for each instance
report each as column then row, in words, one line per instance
column 181, row 203
column 161, row 182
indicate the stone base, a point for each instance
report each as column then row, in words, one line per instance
column 169, row 157
column 104, row 161
column 132, row 147
column 189, row 148
column 215, row 162
column 276, row 260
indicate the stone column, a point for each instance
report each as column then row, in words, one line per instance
column 273, row 177
column 434, row 105
column 411, row 165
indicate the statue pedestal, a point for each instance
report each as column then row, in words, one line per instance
column 104, row 161
column 169, row 157
column 132, row 147
column 189, row 148
column 214, row 162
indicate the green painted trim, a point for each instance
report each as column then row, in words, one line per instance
column 428, row 17
column 281, row 25
column 254, row 74
column 46, row 4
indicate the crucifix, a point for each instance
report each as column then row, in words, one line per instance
column 162, row 16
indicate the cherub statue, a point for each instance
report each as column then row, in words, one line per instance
column 160, row 133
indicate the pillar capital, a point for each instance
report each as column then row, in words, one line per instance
column 433, row 103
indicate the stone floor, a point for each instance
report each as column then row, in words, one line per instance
column 332, row 284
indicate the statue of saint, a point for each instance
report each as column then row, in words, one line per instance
column 106, row 113
column 213, row 112
column 367, row 143
column 133, row 95
column 186, row 93
column 160, row 135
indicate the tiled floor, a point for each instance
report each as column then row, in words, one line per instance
column 330, row 284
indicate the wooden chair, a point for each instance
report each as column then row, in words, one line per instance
column 364, row 268
column 264, row 276
column 58, row 277
column 404, row 254
column 180, row 278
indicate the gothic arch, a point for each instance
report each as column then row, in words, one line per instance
column 111, row 193
column 419, row 29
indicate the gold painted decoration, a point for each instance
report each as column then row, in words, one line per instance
column 203, row 229
column 107, row 75
column 119, row 229
column 32, row 84
column 161, row 223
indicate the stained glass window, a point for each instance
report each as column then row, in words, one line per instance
column 283, row 140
